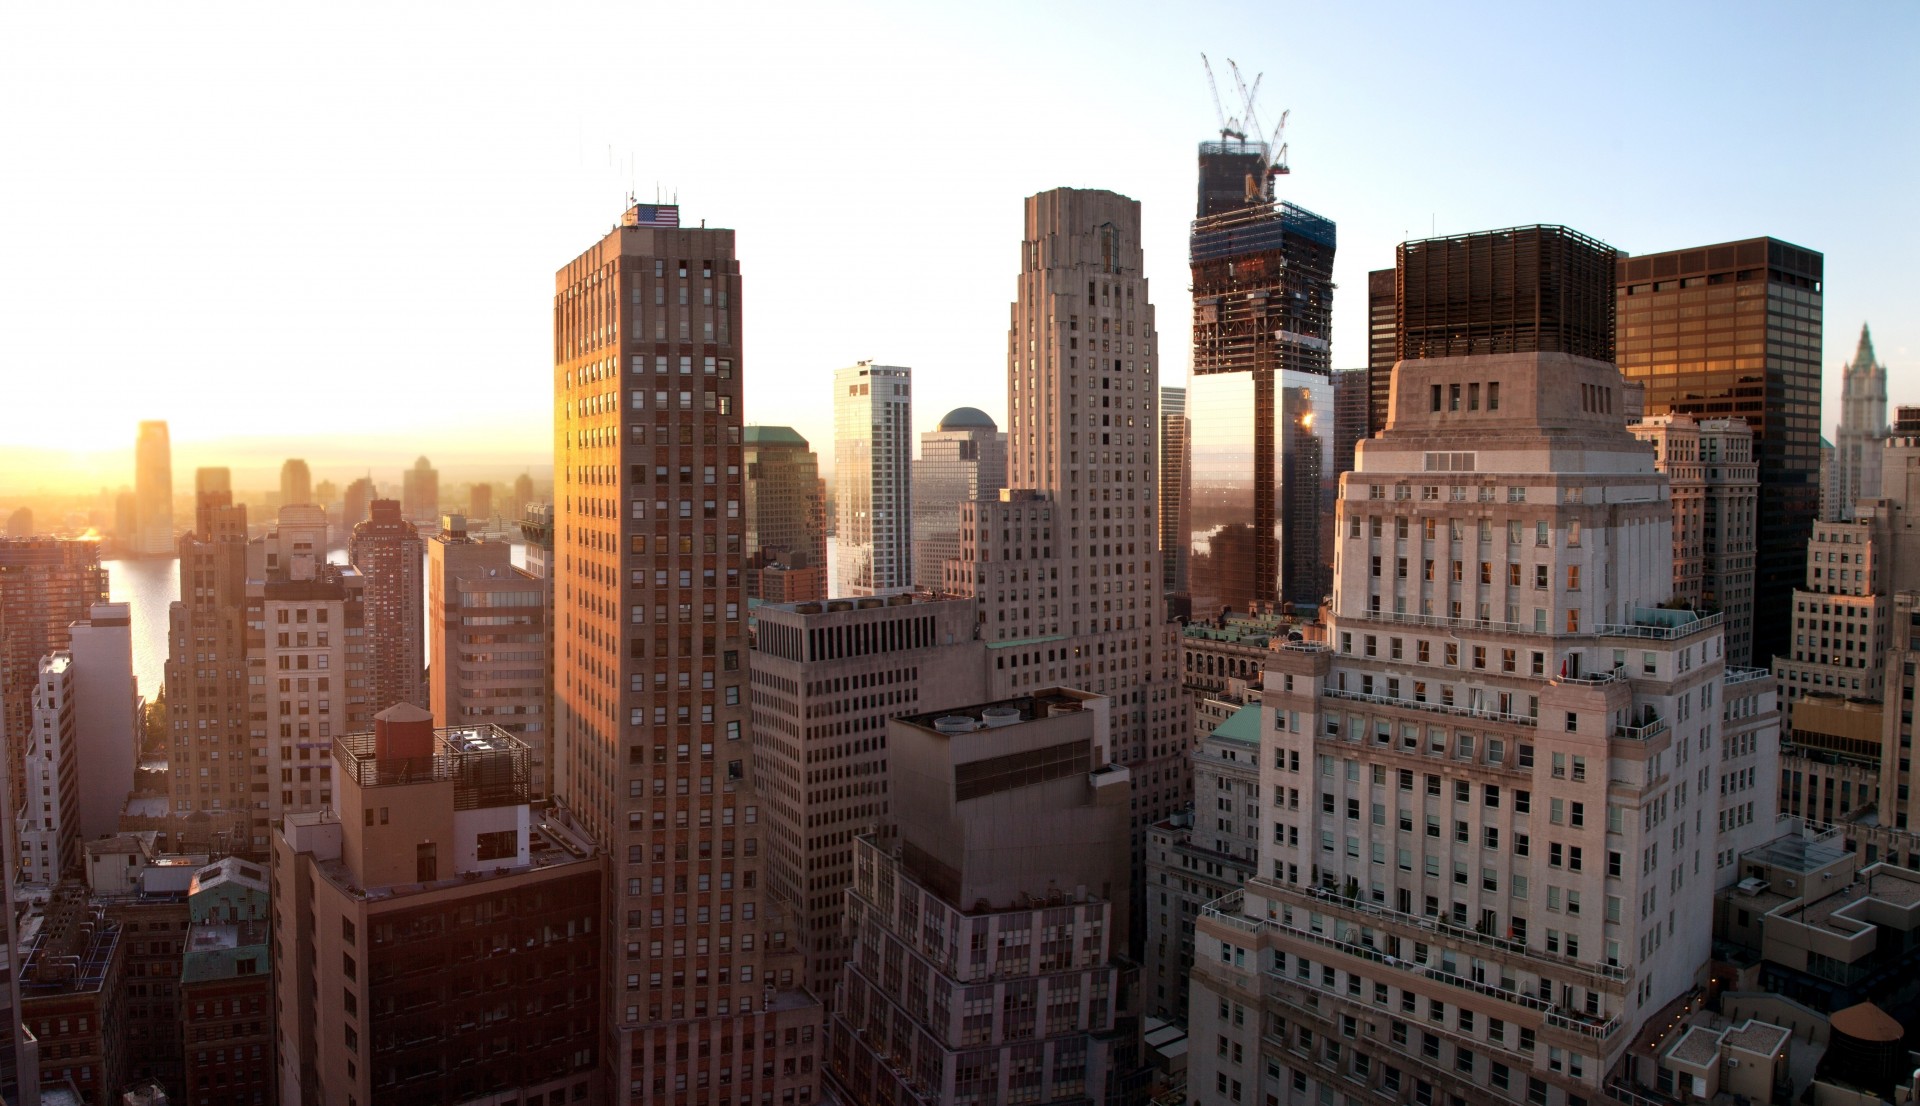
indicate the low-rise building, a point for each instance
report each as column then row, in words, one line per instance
column 71, row 964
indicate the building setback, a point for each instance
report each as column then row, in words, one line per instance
column 650, row 660
column 873, row 478
column 1733, row 329
column 1065, row 565
column 1476, row 886
column 826, row 678
column 988, row 929
column 1862, row 432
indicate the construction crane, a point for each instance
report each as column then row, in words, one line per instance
column 1273, row 151
column 1229, row 127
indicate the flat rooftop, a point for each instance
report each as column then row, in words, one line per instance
column 549, row 845
column 1004, row 712
column 1796, row 853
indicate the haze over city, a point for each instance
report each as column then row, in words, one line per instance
column 328, row 232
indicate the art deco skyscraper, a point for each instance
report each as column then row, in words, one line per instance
column 963, row 458
column 1863, row 429
column 1734, row 329
column 650, row 664
column 153, row 490
column 873, row 478
column 390, row 552
column 1065, row 564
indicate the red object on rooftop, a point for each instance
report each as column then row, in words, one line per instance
column 402, row 732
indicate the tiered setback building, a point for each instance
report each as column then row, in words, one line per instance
column 1488, row 853
column 1716, row 506
column 964, row 458
column 987, row 933
column 827, row 677
column 650, row 675
column 1862, row 432
column 1065, row 565
column 1734, row 330
column 873, row 478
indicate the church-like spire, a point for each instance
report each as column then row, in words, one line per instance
column 1863, row 356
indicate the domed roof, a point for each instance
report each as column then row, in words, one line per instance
column 968, row 418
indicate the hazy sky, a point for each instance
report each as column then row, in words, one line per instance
column 280, row 224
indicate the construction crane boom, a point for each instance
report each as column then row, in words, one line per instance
column 1228, row 126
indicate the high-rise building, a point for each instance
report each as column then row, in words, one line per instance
column 325, row 494
column 1176, row 460
column 49, row 831
column 1474, row 888
column 85, row 742
column 211, row 747
column 440, row 940
column 356, row 503
column 1201, row 855
column 964, row 458
column 1862, row 431
column 1716, row 509
column 820, row 736
column 480, row 502
column 1005, row 889
column 1260, row 400
column 296, row 482
column 488, row 621
column 20, row 523
column 650, row 677
column 1064, row 565
column 1757, row 356
column 212, row 490
column 873, row 478
column 1383, row 346
column 1350, row 399
column 786, row 522
column 72, row 991
column 226, row 985
column 522, row 494
column 389, row 553
column 420, row 494
column 153, row 489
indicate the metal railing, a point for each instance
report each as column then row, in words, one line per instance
column 1659, row 633
column 1433, row 708
column 1645, row 732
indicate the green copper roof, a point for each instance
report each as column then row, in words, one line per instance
column 1243, row 726
column 774, row 435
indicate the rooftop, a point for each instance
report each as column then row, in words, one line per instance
column 1798, row 852
column 1242, row 727
column 773, row 435
column 1044, row 703
column 550, row 844
column 967, row 418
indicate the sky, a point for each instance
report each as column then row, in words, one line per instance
column 330, row 230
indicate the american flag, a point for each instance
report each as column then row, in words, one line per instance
column 655, row 215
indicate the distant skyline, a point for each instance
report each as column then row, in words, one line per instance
column 331, row 232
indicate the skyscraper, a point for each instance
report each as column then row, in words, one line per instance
column 786, row 522
column 153, row 488
column 873, row 477
column 296, row 482
column 1065, row 564
column 420, row 494
column 1863, row 429
column 359, row 496
column 650, row 667
column 1260, row 401
column 963, row 458
column 1176, row 461
column 1716, row 494
column 1350, row 398
column 212, row 490
column 480, row 503
column 1383, row 346
column 1474, row 888
column 210, row 741
column 1734, row 329
column 389, row 552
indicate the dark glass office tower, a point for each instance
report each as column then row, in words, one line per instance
column 1382, row 348
column 1734, row 329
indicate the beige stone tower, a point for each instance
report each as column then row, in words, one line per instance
column 1065, row 564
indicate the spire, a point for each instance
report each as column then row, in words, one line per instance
column 1863, row 357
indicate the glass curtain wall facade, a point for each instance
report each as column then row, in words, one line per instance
column 1261, row 482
